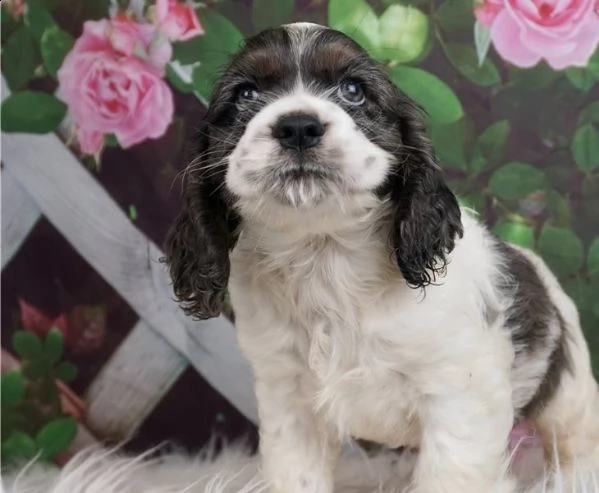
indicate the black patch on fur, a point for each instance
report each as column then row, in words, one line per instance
column 528, row 320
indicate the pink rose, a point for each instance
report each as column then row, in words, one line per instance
column 487, row 11
column 112, row 83
column 176, row 20
column 563, row 32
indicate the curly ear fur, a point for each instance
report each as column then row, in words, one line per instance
column 198, row 244
column 426, row 215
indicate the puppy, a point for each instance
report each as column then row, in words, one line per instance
column 367, row 302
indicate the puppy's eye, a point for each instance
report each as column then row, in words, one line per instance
column 248, row 94
column 351, row 92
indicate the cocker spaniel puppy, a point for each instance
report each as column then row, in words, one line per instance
column 367, row 302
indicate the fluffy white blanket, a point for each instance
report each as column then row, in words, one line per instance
column 236, row 471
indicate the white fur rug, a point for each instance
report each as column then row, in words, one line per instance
column 236, row 471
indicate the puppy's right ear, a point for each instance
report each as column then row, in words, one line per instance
column 198, row 245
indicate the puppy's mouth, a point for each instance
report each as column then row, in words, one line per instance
column 300, row 182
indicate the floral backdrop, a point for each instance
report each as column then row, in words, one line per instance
column 510, row 87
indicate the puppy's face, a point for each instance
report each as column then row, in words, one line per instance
column 309, row 118
column 304, row 119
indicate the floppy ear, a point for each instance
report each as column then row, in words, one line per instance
column 426, row 215
column 198, row 244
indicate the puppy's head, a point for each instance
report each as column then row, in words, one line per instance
column 303, row 120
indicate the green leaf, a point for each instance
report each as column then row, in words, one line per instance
column 404, row 33
column 540, row 76
column 34, row 370
column 53, row 346
column 482, row 41
column 356, row 19
column 517, row 233
column 55, row 45
column 8, row 24
column 593, row 257
column 132, row 212
column 18, row 445
column 489, row 147
column 177, row 81
column 65, row 371
column 585, row 147
column 20, row 58
column 18, row 116
column 474, row 200
column 214, row 49
column 464, row 58
column 516, row 180
column 12, row 388
column 110, row 140
column 581, row 78
column 26, row 344
column 562, row 250
column 589, row 115
column 271, row 13
column 452, row 142
column 37, row 19
column 437, row 98
column 455, row 15
column 414, row 3
column 559, row 208
column 56, row 436
column 585, row 295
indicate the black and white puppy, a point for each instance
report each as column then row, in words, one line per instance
column 367, row 302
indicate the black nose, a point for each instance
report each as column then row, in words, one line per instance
column 298, row 132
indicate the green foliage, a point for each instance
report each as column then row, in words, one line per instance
column 516, row 232
column 400, row 34
column 482, row 41
column 271, row 13
column 33, row 423
column 516, row 180
column 452, row 142
column 20, row 58
column 403, row 34
column 37, row 19
column 454, row 16
column 593, row 257
column 55, row 436
column 55, row 44
column 32, row 112
column 221, row 41
column 356, row 19
column 489, row 148
column 435, row 96
column 12, row 388
column 465, row 59
column 562, row 250
column 585, row 147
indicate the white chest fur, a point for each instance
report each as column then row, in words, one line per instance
column 324, row 295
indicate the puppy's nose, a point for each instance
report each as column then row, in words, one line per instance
column 298, row 131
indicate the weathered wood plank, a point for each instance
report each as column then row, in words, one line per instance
column 19, row 212
column 19, row 216
column 92, row 222
column 132, row 383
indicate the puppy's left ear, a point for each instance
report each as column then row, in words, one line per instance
column 426, row 215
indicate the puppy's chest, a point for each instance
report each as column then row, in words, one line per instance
column 336, row 301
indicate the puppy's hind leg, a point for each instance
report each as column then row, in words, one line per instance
column 569, row 423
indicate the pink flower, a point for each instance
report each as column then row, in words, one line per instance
column 176, row 20
column 112, row 83
column 487, row 11
column 563, row 32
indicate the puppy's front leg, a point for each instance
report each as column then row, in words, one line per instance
column 298, row 453
column 466, row 416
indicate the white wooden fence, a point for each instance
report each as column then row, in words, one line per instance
column 41, row 177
